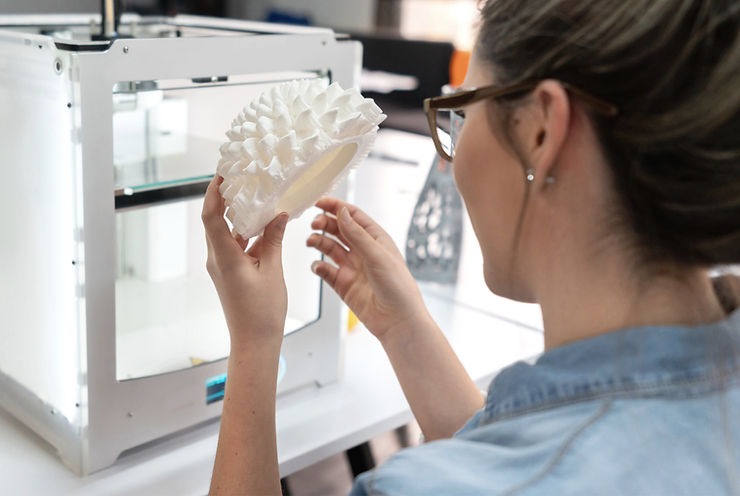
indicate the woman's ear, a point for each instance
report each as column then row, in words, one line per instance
column 546, row 128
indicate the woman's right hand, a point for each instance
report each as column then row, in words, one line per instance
column 370, row 273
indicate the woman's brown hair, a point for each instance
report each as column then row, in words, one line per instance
column 673, row 69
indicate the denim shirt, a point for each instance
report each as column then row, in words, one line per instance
column 641, row 411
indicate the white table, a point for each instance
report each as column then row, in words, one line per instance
column 487, row 332
column 312, row 424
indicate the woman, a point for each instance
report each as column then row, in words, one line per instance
column 599, row 162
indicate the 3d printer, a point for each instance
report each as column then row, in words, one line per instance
column 112, row 334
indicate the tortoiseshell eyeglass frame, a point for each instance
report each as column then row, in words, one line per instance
column 454, row 101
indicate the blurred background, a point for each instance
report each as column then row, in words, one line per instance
column 412, row 48
column 437, row 20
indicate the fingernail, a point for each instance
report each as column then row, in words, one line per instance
column 282, row 221
column 314, row 267
column 346, row 218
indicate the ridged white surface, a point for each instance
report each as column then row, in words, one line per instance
column 279, row 136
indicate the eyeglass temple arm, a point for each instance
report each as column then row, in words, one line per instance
column 452, row 101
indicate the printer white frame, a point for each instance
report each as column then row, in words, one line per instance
column 118, row 415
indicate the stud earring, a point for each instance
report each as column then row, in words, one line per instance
column 529, row 174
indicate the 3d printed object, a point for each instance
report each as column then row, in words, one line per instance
column 289, row 147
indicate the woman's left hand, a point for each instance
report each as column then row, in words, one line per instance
column 250, row 284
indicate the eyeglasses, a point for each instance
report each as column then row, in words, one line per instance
column 444, row 139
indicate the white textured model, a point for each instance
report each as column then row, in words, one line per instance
column 290, row 146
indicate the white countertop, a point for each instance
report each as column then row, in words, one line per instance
column 312, row 424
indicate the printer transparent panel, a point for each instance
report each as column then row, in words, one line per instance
column 166, row 136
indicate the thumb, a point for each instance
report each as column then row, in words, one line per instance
column 272, row 239
column 358, row 238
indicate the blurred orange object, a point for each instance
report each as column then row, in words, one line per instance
column 458, row 67
column 352, row 320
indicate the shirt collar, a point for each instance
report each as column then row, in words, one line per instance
column 628, row 361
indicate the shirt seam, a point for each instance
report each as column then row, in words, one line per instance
column 638, row 391
column 562, row 451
